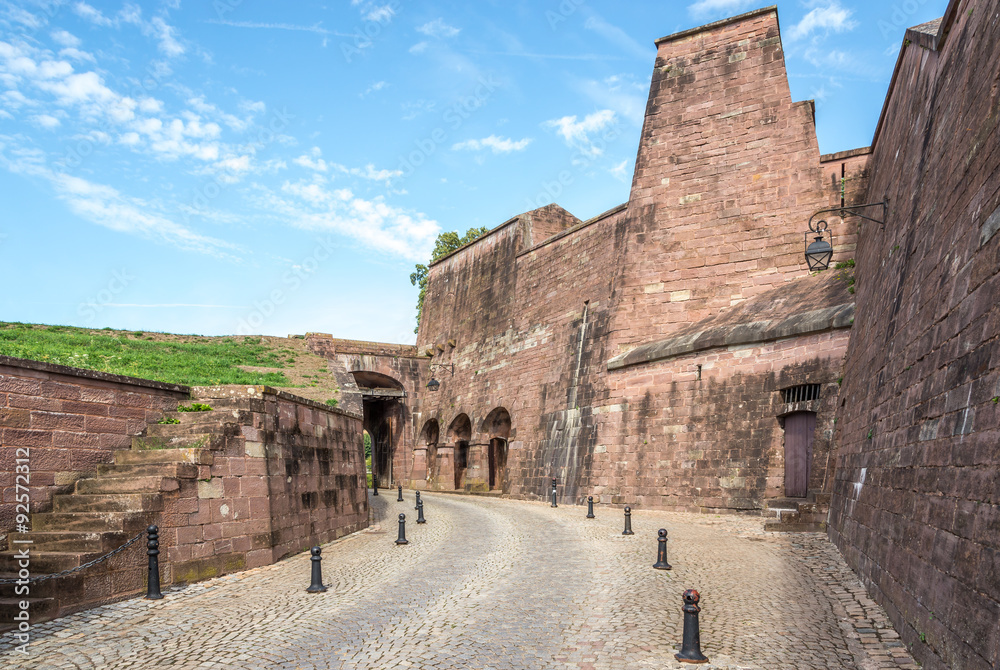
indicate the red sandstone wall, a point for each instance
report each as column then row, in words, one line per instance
column 671, row 439
column 727, row 176
column 71, row 420
column 916, row 507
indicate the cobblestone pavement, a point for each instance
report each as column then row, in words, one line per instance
column 490, row 583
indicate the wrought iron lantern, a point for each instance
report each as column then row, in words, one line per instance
column 434, row 384
column 819, row 252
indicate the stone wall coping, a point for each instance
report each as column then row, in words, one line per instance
column 258, row 392
column 364, row 347
column 23, row 364
column 580, row 226
column 716, row 24
column 815, row 321
column 841, row 155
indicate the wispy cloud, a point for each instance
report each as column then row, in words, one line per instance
column 579, row 134
column 705, row 9
column 498, row 145
column 617, row 36
column 85, row 11
column 316, row 28
column 377, row 86
column 439, row 29
column 831, row 18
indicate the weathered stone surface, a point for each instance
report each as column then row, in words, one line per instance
column 916, row 494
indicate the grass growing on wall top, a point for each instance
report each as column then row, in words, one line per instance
column 194, row 361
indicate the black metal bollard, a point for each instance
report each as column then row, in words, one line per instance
column 399, row 498
column 628, row 522
column 590, row 507
column 691, row 644
column 420, row 513
column 554, row 492
column 153, row 552
column 402, row 530
column 417, row 506
column 661, row 551
column 317, row 572
column 374, row 482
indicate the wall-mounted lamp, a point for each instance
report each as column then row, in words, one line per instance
column 433, row 384
column 819, row 252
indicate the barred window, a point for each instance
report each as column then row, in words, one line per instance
column 800, row 393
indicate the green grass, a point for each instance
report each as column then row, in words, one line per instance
column 200, row 363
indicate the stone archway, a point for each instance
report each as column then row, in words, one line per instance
column 496, row 429
column 425, row 467
column 384, row 419
column 459, row 435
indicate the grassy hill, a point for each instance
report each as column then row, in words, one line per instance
column 285, row 363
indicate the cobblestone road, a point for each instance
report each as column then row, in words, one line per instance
column 490, row 583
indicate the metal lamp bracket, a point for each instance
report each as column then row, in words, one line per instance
column 850, row 210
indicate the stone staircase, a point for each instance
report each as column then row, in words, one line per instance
column 790, row 515
column 103, row 512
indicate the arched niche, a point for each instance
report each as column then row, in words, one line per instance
column 459, row 435
column 496, row 429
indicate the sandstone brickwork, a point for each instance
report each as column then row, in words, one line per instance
column 916, row 501
column 550, row 332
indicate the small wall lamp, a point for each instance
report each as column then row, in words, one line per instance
column 433, row 384
column 819, row 252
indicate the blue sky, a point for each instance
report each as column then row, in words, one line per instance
column 242, row 166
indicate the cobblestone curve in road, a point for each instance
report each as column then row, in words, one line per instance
column 490, row 583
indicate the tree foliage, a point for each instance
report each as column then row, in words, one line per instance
column 444, row 245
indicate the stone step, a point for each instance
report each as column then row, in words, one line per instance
column 127, row 522
column 47, row 562
column 214, row 417
column 785, row 503
column 151, row 484
column 193, row 430
column 797, row 527
column 50, row 588
column 122, row 502
column 39, row 609
column 68, row 540
column 821, row 498
column 183, row 455
column 177, row 470
column 196, row 440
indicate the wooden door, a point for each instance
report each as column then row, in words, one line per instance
column 799, row 430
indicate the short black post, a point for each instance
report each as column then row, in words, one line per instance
column 417, row 506
column 399, row 498
column 691, row 644
column 153, row 552
column 420, row 513
column 661, row 551
column 317, row 572
column 402, row 530
column 590, row 507
column 374, row 482
column 554, row 492
column 628, row 522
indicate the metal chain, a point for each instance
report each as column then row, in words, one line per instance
column 99, row 559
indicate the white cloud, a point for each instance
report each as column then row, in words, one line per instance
column 108, row 207
column 65, row 38
column 618, row 171
column 833, row 17
column 497, row 145
column 313, row 162
column 46, row 121
column 418, row 48
column 579, row 134
column 617, row 36
column 374, row 223
column 439, row 29
column 703, row 9
column 77, row 55
column 377, row 86
column 166, row 34
column 380, row 14
column 83, row 10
